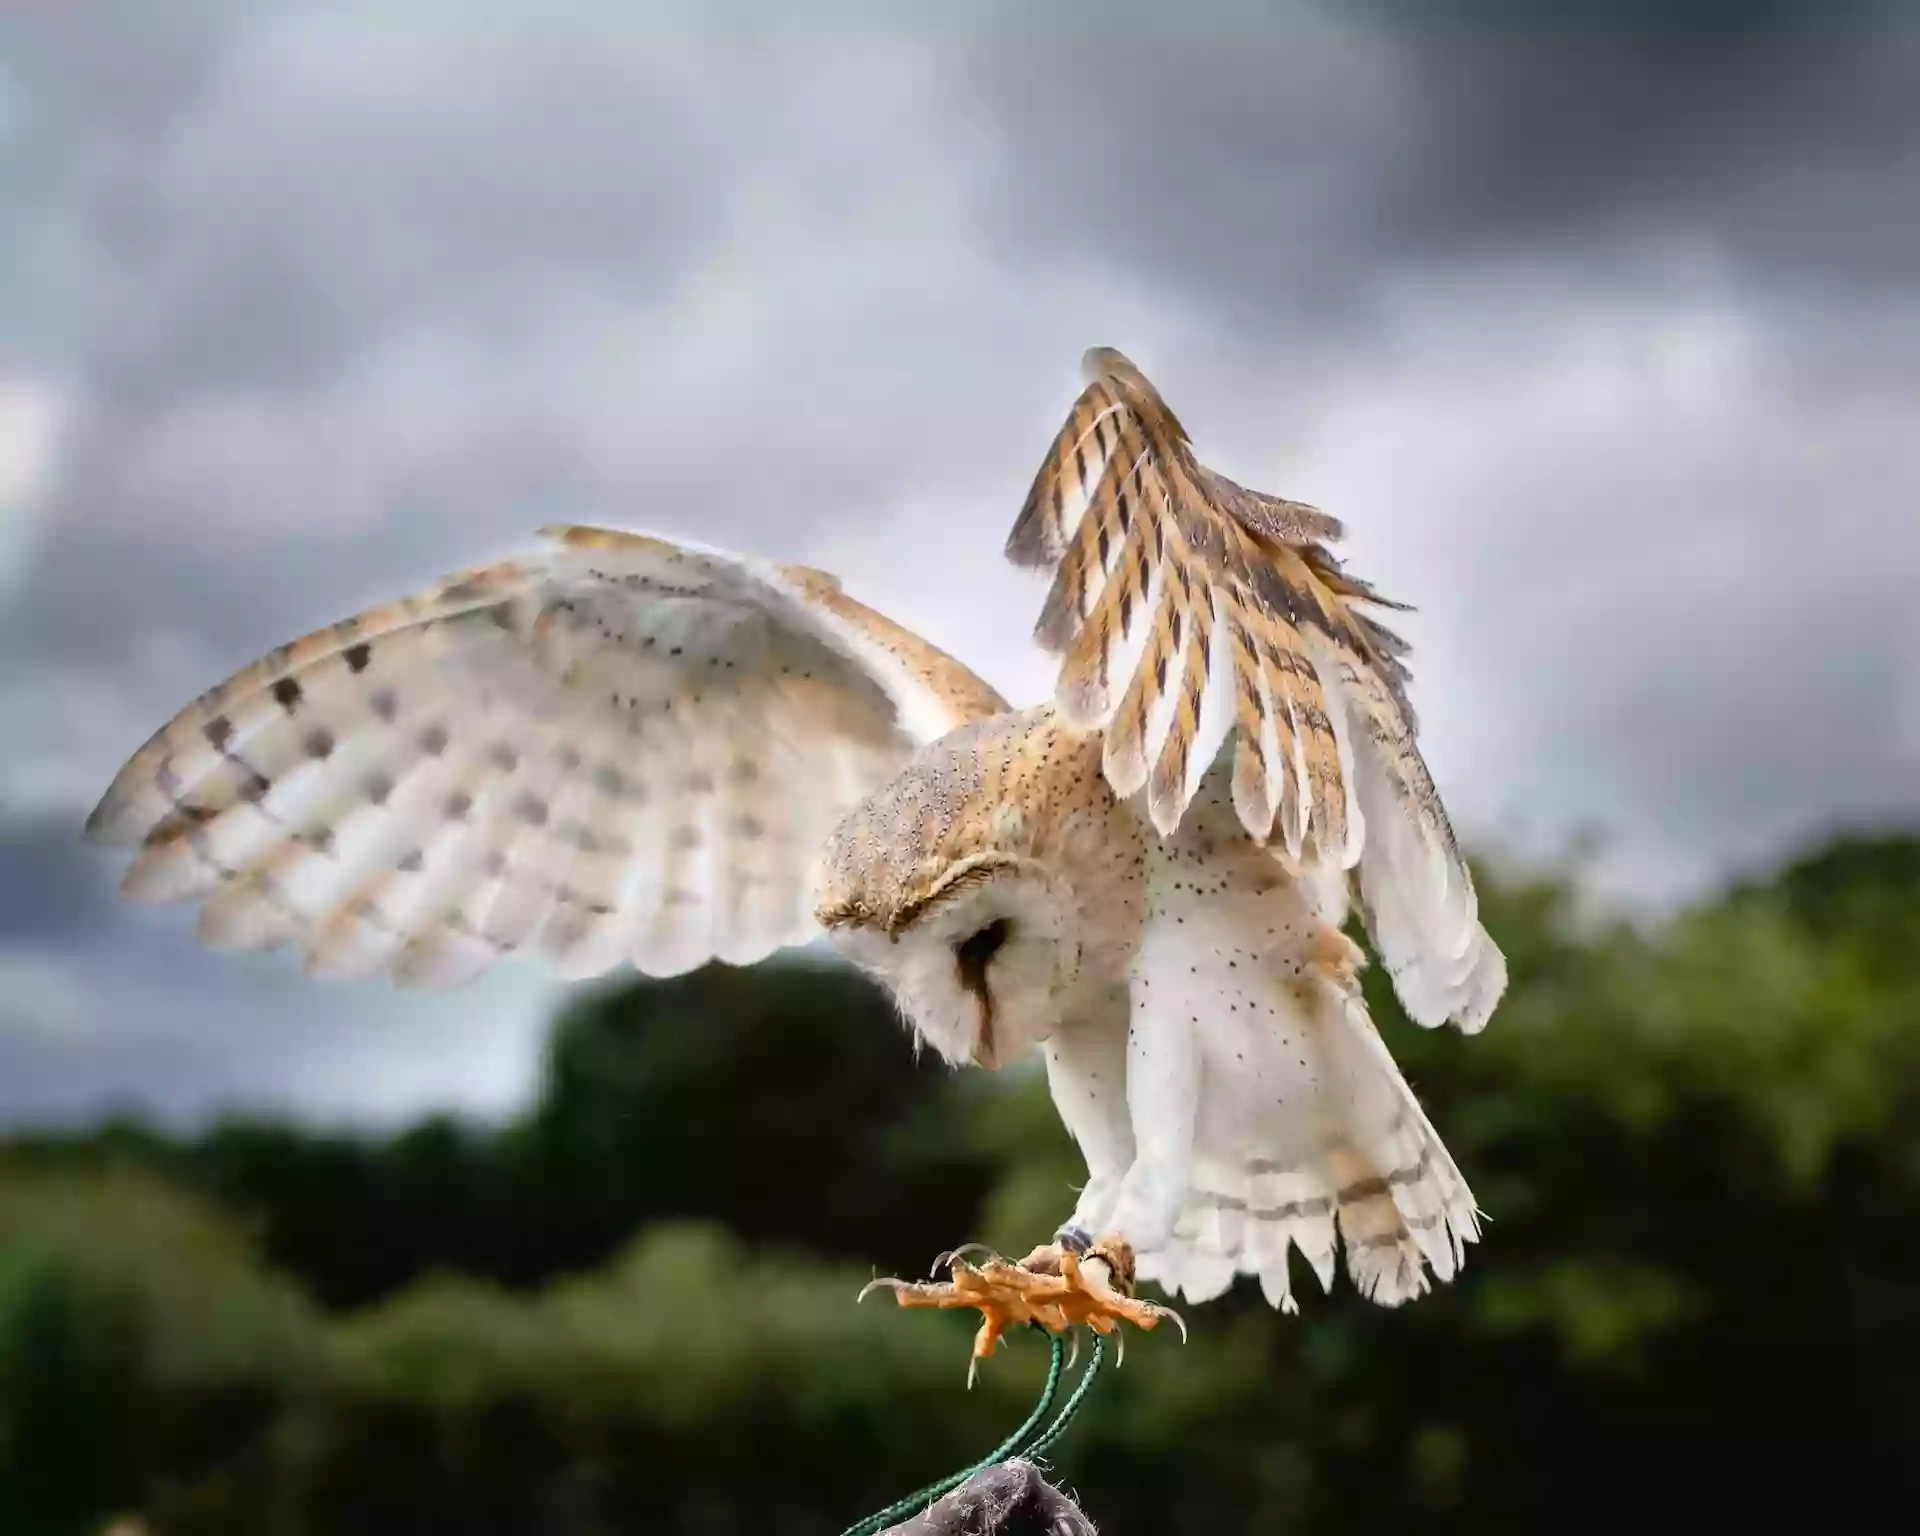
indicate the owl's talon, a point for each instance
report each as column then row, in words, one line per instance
column 878, row 1283
column 1053, row 1288
column 945, row 1260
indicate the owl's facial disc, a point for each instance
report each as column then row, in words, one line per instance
column 980, row 971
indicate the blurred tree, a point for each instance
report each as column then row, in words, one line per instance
column 766, row 1098
column 787, row 1102
column 143, row 1354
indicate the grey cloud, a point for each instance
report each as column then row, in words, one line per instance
column 354, row 299
column 349, row 295
column 320, row 198
column 128, row 1013
column 174, row 1039
column 1642, row 175
column 330, row 184
column 1695, row 633
column 1287, row 161
column 124, row 80
column 108, row 1006
column 1764, row 144
column 47, row 890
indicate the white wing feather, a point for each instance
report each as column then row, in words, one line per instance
column 612, row 749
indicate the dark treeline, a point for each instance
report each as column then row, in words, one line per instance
column 1698, row 1296
column 764, row 1101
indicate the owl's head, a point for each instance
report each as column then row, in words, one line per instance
column 994, row 876
column 981, row 963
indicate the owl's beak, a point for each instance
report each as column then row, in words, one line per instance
column 985, row 1049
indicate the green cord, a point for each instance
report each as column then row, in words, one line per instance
column 1058, row 1428
column 914, row 1503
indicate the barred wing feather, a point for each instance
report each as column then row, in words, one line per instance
column 1194, row 617
column 612, row 749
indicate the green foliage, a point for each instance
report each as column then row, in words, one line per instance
column 764, row 1099
column 1698, row 1292
column 140, row 1347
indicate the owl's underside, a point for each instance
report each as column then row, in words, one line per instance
column 622, row 749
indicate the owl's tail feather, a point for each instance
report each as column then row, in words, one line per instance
column 1370, row 1174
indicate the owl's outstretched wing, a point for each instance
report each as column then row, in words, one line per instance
column 611, row 749
column 1190, row 612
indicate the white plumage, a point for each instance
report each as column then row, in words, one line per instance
column 587, row 754
column 1305, row 1126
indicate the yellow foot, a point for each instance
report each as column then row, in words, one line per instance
column 1052, row 1286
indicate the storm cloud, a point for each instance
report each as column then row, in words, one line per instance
column 1595, row 324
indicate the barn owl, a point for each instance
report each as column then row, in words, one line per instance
column 619, row 749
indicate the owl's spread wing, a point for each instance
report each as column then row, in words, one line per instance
column 614, row 748
column 1191, row 614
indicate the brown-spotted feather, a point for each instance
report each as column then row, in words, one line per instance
column 615, row 748
column 1124, row 755
column 1167, row 784
column 1257, row 785
column 1155, row 554
column 1118, row 525
column 1152, row 512
column 1053, row 505
column 201, row 746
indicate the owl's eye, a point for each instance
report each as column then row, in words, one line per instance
column 973, row 953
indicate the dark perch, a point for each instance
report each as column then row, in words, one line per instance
column 1011, row 1499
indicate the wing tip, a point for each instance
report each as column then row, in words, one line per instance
column 99, row 826
column 118, row 818
column 1466, row 1001
column 1030, row 545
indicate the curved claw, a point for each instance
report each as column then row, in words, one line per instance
column 1073, row 1348
column 879, row 1283
column 946, row 1260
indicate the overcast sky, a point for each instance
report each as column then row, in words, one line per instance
column 1603, row 336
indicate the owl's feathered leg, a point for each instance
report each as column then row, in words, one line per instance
column 1058, row 1287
